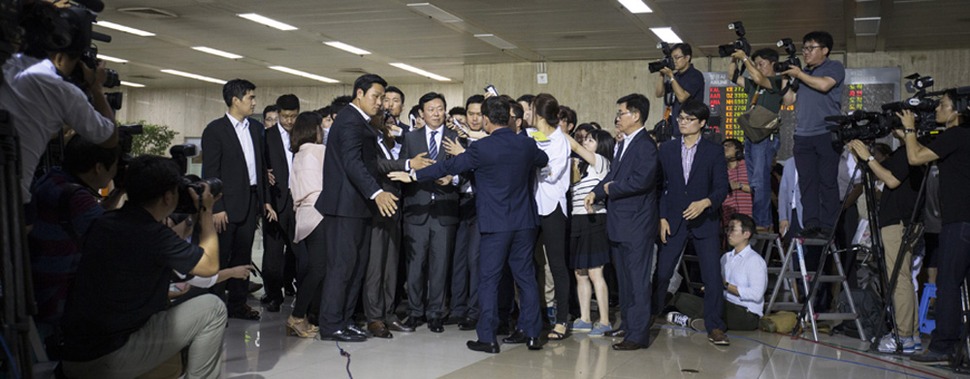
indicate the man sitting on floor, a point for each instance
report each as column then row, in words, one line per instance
column 745, row 280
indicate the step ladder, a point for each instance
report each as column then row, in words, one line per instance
column 810, row 283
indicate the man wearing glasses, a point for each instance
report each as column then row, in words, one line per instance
column 695, row 183
column 819, row 95
column 681, row 84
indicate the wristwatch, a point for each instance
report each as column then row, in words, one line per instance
column 908, row 131
column 870, row 159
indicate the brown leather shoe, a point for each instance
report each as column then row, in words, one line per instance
column 398, row 326
column 379, row 330
column 718, row 338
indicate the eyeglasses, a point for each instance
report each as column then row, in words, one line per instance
column 685, row 120
column 810, row 48
column 621, row 113
column 678, row 57
column 729, row 230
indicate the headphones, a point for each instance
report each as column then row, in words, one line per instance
column 738, row 149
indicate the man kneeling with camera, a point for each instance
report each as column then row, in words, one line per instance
column 117, row 322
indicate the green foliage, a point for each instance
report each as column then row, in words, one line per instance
column 155, row 139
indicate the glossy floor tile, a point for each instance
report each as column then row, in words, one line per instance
column 262, row 350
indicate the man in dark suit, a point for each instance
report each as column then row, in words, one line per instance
column 694, row 184
column 233, row 152
column 347, row 203
column 504, row 165
column 630, row 191
column 430, row 219
column 279, row 226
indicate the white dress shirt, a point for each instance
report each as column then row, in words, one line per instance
column 627, row 138
column 554, row 180
column 246, row 142
column 747, row 271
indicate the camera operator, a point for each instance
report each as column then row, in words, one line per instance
column 764, row 89
column 899, row 197
column 67, row 202
column 118, row 322
column 40, row 99
column 817, row 160
column 952, row 153
column 681, row 84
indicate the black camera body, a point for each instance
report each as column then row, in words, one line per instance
column 180, row 155
column 126, row 135
column 792, row 60
column 667, row 60
column 860, row 125
column 740, row 44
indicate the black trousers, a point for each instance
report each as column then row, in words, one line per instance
column 709, row 256
column 818, row 179
column 312, row 260
column 236, row 249
column 277, row 246
column 347, row 249
column 380, row 278
column 554, row 236
column 429, row 250
column 464, row 266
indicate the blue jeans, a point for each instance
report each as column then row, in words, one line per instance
column 759, row 158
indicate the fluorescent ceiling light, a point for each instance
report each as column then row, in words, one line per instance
column 266, row 21
column 420, row 72
column 112, row 59
column 666, row 35
column 122, row 28
column 496, row 41
column 132, row 84
column 194, row 76
column 220, row 53
column 434, row 12
column 636, row 6
column 304, row 74
column 347, row 48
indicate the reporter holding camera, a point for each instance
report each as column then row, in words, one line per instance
column 42, row 102
column 764, row 90
column 952, row 154
column 820, row 95
column 682, row 83
column 902, row 184
column 117, row 322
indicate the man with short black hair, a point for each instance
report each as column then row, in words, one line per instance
column 526, row 102
column 118, row 323
column 280, row 222
column 819, row 96
column 233, row 152
column 680, row 84
column 350, row 199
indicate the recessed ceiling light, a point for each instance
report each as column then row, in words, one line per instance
column 434, row 12
column 347, row 48
column 194, row 76
column 304, row 74
column 112, row 59
column 132, row 84
column 266, row 21
column 224, row 54
column 496, row 41
column 636, row 6
column 122, row 28
column 421, row 72
column 666, row 35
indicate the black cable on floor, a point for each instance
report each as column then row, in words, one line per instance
column 344, row 353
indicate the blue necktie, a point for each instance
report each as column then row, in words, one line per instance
column 619, row 151
column 433, row 146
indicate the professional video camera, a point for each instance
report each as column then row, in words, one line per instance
column 667, row 61
column 860, row 125
column 922, row 105
column 126, row 136
column 180, row 154
column 740, row 44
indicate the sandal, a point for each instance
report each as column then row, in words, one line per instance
column 556, row 335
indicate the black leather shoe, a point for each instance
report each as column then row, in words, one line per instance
column 343, row 336
column 436, row 325
column 398, row 326
column 253, row 287
column 453, row 320
column 265, row 299
column 533, row 343
column 244, row 313
column 484, row 347
column 468, row 324
column 354, row 329
column 413, row 322
column 516, row 338
column 615, row 333
column 503, row 329
column 627, row 346
column 273, row 305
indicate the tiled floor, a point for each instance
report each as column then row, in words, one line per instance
column 262, row 350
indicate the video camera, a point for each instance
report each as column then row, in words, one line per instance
column 860, row 125
column 180, row 154
column 667, row 61
column 740, row 44
column 922, row 105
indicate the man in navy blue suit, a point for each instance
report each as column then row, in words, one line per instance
column 504, row 165
column 695, row 183
column 630, row 191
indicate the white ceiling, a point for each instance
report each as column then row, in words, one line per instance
column 541, row 30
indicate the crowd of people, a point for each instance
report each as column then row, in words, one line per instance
column 505, row 215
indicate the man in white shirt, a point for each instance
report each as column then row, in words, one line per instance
column 745, row 281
